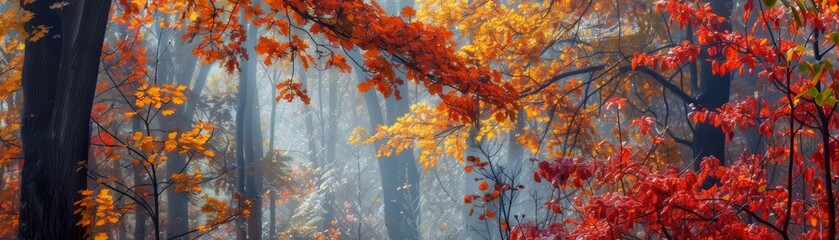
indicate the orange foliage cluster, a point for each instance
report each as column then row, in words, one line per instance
column 388, row 42
column 98, row 213
column 12, row 39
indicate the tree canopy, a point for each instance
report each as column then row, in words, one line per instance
column 418, row 119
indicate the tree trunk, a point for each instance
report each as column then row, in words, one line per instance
column 329, row 130
column 249, row 142
column 515, row 151
column 272, row 197
column 406, row 173
column 197, row 89
column 310, row 126
column 385, row 163
column 332, row 118
column 401, row 208
column 178, row 203
column 254, row 149
column 59, row 81
column 121, row 226
column 240, row 153
column 140, row 214
column 714, row 92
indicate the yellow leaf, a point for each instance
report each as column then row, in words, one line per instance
column 101, row 236
column 167, row 112
column 137, row 136
column 193, row 16
column 170, row 145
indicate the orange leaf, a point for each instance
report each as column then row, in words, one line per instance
column 490, row 214
column 408, row 12
column 484, row 186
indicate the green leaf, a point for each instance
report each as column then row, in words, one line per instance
column 833, row 37
column 803, row 68
column 813, row 92
column 831, row 101
column 819, row 99
column 825, row 97
column 769, row 3
column 796, row 12
column 818, row 69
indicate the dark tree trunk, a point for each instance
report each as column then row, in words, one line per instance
column 714, row 92
column 59, row 80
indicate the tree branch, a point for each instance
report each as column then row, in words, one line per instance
column 661, row 80
column 556, row 78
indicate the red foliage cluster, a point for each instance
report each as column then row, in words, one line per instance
column 529, row 231
column 744, row 200
column 668, row 203
column 558, row 171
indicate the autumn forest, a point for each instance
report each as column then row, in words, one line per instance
column 419, row 119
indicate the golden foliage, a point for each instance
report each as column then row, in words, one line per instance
column 97, row 214
column 423, row 128
column 159, row 97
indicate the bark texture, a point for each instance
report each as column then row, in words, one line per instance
column 59, row 80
